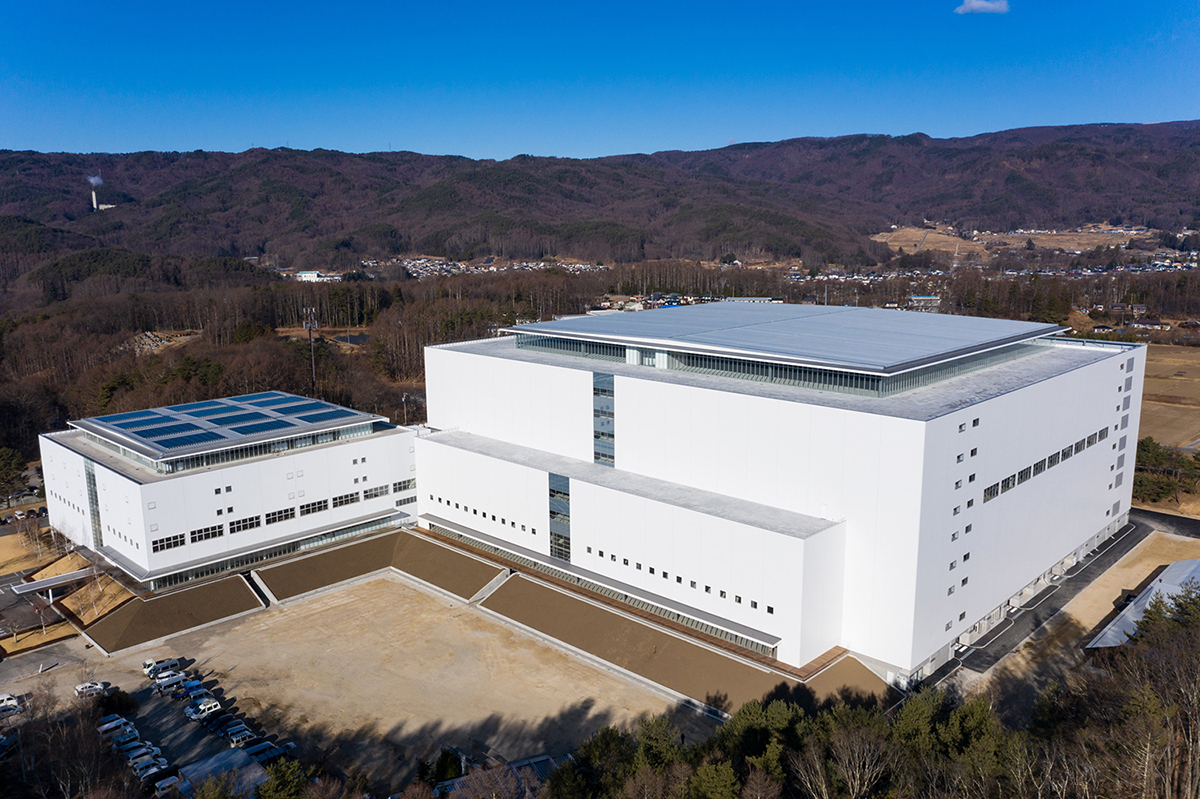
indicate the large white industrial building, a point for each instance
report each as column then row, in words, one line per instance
column 790, row 478
column 179, row 493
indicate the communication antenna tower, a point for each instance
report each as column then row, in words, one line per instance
column 310, row 324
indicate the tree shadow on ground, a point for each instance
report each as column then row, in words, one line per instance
column 388, row 756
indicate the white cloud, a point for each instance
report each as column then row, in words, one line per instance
column 983, row 7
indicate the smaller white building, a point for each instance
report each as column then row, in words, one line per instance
column 182, row 492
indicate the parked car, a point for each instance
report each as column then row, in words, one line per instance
column 126, row 737
column 112, row 728
column 20, row 515
column 150, row 766
column 143, row 751
column 142, row 759
column 8, row 700
column 241, row 737
column 168, row 675
column 216, row 721
column 132, row 746
column 152, row 668
column 152, row 775
column 198, row 710
column 165, row 787
column 89, row 689
column 230, row 729
column 255, row 743
column 43, row 512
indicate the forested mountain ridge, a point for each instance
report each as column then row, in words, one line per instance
column 817, row 199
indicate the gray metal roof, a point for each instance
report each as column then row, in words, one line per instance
column 1169, row 584
column 954, row 394
column 193, row 427
column 861, row 339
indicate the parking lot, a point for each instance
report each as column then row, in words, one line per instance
column 370, row 676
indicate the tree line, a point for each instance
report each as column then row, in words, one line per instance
column 75, row 358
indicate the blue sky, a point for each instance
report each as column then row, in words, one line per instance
column 490, row 80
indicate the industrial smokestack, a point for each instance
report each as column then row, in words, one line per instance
column 94, row 206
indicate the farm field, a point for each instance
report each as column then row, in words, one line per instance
column 910, row 237
column 1171, row 398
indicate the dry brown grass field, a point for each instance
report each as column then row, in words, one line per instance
column 1171, row 398
column 941, row 241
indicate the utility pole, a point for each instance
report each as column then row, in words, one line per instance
column 310, row 324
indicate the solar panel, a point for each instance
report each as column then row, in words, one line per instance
column 262, row 427
column 188, row 440
column 303, row 407
column 118, row 417
column 145, row 421
column 204, row 413
column 267, row 403
column 169, row 430
column 325, row 416
column 191, row 406
column 237, row 418
column 260, row 396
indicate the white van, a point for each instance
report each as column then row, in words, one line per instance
column 152, row 668
column 164, row 687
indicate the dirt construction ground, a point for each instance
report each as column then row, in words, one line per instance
column 377, row 674
column 1056, row 650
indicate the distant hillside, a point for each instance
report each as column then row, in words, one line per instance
column 813, row 198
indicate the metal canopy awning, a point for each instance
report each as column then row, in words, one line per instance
column 51, row 582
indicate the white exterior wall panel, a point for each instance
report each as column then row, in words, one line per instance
column 759, row 566
column 511, row 492
column 537, row 406
column 825, row 462
column 66, row 495
column 1019, row 535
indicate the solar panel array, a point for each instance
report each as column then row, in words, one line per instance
column 235, row 419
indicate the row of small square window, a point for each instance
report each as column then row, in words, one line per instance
column 962, row 428
column 954, row 563
column 679, row 580
column 476, row 512
column 274, row 517
column 1049, row 462
column 950, row 590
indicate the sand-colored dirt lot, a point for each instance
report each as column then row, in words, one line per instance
column 376, row 674
column 1056, row 650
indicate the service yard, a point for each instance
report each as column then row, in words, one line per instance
column 1056, row 649
column 373, row 675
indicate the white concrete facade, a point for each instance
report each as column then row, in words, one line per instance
column 904, row 557
column 162, row 528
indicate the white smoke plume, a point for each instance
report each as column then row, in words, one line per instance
column 96, row 181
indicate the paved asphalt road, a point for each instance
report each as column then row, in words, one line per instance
column 1024, row 623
